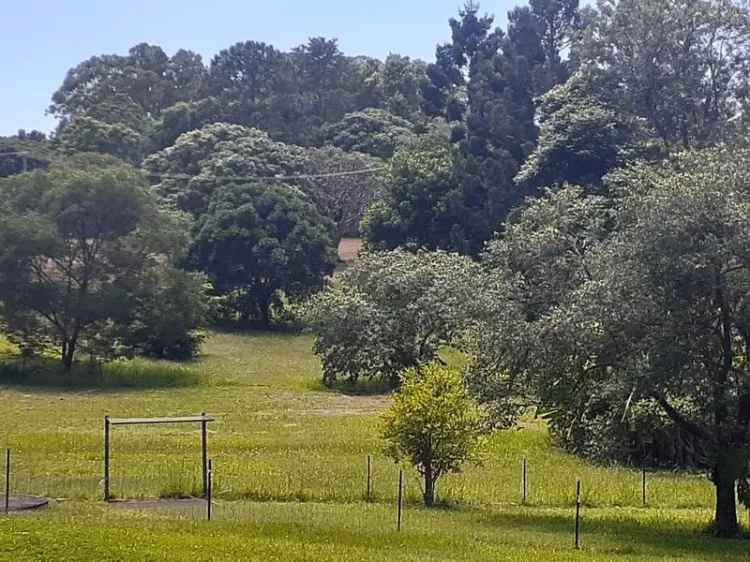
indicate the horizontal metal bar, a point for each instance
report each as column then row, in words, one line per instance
column 144, row 421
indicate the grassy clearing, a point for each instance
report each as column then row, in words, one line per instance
column 313, row 531
column 290, row 475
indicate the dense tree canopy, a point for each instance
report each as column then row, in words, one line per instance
column 373, row 131
column 389, row 312
column 82, row 247
column 261, row 242
column 682, row 65
column 425, row 205
column 583, row 135
column 649, row 308
column 200, row 161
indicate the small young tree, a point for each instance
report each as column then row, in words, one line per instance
column 434, row 424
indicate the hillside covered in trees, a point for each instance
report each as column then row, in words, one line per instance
column 564, row 201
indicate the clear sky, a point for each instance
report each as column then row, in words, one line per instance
column 42, row 39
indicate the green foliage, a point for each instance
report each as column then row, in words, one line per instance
column 145, row 78
column 258, row 242
column 401, row 82
column 170, row 309
column 372, row 131
column 583, row 136
column 204, row 160
column 180, row 118
column 121, row 374
column 681, row 65
column 24, row 152
column 79, row 245
column 86, row 134
column 434, row 424
column 425, row 204
column 389, row 312
column 653, row 311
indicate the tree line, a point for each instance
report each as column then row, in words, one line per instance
column 609, row 293
column 564, row 200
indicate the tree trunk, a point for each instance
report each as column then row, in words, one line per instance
column 725, row 523
column 67, row 356
column 429, row 486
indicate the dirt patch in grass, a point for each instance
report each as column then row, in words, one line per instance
column 329, row 405
column 349, row 248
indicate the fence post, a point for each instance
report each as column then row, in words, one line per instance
column 204, row 453
column 106, row 458
column 578, row 515
column 369, row 478
column 7, row 480
column 209, row 492
column 400, row 498
column 643, row 484
column 524, row 480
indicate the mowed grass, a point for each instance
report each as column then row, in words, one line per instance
column 290, row 460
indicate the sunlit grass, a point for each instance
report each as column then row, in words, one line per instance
column 290, row 461
column 358, row 531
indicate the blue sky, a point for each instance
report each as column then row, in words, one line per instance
column 42, row 39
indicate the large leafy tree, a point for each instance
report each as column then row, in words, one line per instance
column 323, row 73
column 682, row 64
column 485, row 82
column 146, row 77
column 401, row 81
column 260, row 242
column 80, row 246
column 189, row 172
column 246, row 78
column 372, row 131
column 584, row 135
column 424, row 204
column 110, row 103
column 389, row 312
column 87, row 134
column 654, row 312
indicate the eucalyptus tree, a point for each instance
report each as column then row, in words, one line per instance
column 680, row 64
column 82, row 247
column 642, row 299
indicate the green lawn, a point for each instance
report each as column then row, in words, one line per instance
column 290, row 462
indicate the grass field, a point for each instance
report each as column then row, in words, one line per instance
column 290, row 461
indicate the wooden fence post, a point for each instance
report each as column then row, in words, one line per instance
column 578, row 515
column 7, row 480
column 106, row 459
column 369, row 478
column 209, row 482
column 524, row 480
column 400, row 498
column 204, row 453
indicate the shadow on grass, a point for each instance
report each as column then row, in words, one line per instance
column 625, row 533
column 360, row 388
column 131, row 374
